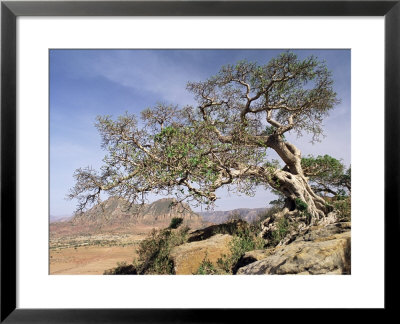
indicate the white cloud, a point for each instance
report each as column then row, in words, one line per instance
column 147, row 71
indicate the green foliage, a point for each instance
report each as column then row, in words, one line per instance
column 176, row 222
column 343, row 209
column 300, row 205
column 282, row 229
column 206, row 267
column 245, row 240
column 165, row 134
column 327, row 174
column 269, row 130
column 322, row 166
column 341, row 195
column 122, row 269
column 154, row 253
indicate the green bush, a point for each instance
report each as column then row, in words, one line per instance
column 175, row 222
column 300, row 204
column 242, row 242
column 207, row 267
column 282, row 229
column 122, row 269
column 153, row 253
column 343, row 208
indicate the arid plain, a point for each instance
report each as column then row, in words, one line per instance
column 92, row 254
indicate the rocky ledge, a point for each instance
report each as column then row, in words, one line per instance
column 322, row 250
column 188, row 257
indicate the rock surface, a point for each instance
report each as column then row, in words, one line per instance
column 225, row 228
column 188, row 257
column 323, row 250
column 252, row 256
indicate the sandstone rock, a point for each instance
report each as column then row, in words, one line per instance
column 252, row 256
column 321, row 252
column 322, row 232
column 188, row 257
column 225, row 228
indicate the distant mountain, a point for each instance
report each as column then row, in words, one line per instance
column 117, row 210
column 60, row 218
column 218, row 217
column 116, row 215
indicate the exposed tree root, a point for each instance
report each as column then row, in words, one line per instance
column 298, row 224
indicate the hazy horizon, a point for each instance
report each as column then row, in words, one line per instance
column 88, row 83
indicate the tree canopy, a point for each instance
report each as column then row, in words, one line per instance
column 327, row 175
column 242, row 112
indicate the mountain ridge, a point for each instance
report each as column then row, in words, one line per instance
column 118, row 210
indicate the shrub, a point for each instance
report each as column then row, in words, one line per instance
column 300, row 204
column 175, row 222
column 154, row 253
column 343, row 208
column 122, row 269
column 282, row 229
column 206, row 267
column 242, row 242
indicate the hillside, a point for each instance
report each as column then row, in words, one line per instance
column 116, row 215
column 60, row 218
column 118, row 211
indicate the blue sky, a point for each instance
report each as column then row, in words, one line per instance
column 88, row 83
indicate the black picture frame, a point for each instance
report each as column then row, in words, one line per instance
column 10, row 10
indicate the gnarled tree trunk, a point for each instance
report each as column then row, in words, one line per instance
column 296, row 189
column 303, row 206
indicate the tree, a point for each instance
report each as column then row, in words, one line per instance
column 243, row 112
column 327, row 175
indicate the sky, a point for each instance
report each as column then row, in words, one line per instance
column 87, row 83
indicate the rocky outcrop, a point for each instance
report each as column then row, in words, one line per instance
column 113, row 209
column 163, row 210
column 188, row 257
column 322, row 250
column 159, row 213
column 225, row 228
column 250, row 257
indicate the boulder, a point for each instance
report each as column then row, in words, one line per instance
column 250, row 257
column 312, row 253
column 188, row 257
column 225, row 228
column 322, row 232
